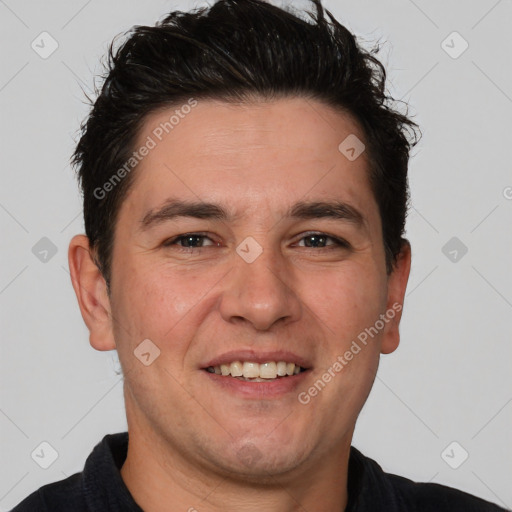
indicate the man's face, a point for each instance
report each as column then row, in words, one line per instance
column 258, row 285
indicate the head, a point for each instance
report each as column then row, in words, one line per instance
column 229, row 125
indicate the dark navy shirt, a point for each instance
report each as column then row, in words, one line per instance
column 100, row 488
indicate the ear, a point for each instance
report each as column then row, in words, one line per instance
column 397, row 284
column 91, row 292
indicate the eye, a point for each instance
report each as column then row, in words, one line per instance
column 320, row 240
column 190, row 241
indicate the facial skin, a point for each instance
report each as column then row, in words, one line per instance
column 193, row 442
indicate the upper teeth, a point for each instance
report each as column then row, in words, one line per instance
column 250, row 370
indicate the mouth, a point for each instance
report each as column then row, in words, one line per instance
column 251, row 371
column 257, row 375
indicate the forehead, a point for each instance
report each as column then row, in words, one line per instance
column 249, row 155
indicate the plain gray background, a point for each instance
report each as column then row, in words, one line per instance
column 449, row 381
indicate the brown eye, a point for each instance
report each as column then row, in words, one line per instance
column 320, row 240
column 190, row 241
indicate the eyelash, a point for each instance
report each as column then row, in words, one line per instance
column 338, row 242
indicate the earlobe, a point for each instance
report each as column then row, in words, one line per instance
column 397, row 284
column 91, row 292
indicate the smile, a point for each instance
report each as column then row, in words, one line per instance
column 256, row 372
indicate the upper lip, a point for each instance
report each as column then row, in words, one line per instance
column 258, row 357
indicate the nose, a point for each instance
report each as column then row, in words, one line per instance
column 260, row 293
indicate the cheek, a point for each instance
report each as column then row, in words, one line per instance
column 163, row 303
column 145, row 306
column 347, row 300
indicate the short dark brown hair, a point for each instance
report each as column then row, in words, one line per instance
column 238, row 50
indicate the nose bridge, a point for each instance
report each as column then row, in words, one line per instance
column 257, row 290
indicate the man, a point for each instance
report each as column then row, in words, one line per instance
column 245, row 192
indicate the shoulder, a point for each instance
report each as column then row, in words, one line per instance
column 60, row 496
column 93, row 489
column 430, row 497
column 378, row 490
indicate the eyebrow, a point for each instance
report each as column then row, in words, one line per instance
column 338, row 210
column 174, row 208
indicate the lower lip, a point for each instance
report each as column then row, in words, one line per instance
column 259, row 390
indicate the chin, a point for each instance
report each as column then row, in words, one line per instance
column 258, row 459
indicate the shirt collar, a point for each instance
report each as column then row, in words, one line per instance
column 104, row 488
